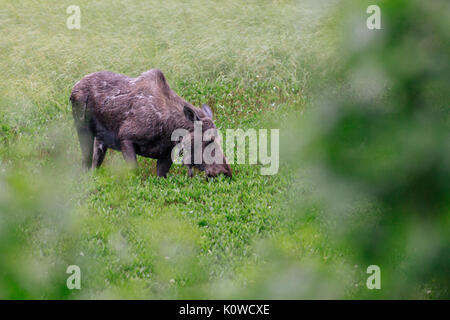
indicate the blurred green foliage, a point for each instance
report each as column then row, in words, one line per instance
column 379, row 130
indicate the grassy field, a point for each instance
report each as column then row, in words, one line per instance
column 134, row 235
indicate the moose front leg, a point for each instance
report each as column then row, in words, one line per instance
column 128, row 152
column 190, row 173
column 163, row 166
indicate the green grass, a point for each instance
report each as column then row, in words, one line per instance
column 132, row 234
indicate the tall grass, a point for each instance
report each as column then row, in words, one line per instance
column 191, row 41
column 298, row 234
column 132, row 234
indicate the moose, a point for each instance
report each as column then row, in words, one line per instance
column 137, row 116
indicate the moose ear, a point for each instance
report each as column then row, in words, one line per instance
column 190, row 113
column 207, row 111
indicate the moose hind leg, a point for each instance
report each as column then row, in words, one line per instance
column 128, row 152
column 99, row 152
column 86, row 139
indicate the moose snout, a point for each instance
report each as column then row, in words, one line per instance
column 224, row 169
column 228, row 171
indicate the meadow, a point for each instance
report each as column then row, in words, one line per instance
column 258, row 64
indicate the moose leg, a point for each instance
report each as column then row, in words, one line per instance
column 190, row 173
column 128, row 152
column 163, row 166
column 99, row 153
column 86, row 139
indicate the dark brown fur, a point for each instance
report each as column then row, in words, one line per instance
column 134, row 116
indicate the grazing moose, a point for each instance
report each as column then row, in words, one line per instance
column 137, row 116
